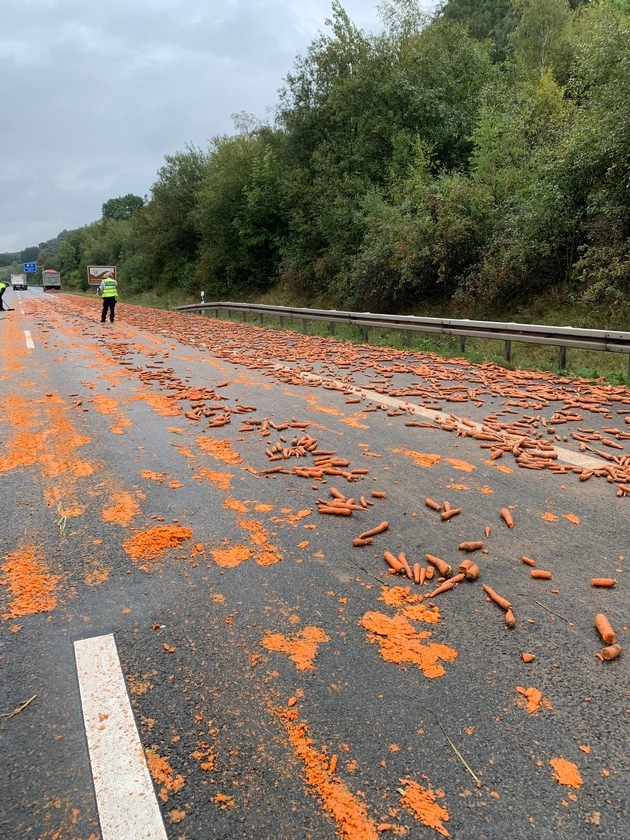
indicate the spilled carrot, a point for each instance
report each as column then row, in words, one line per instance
column 335, row 511
column 376, row 494
column 528, row 561
column 393, row 562
column 605, row 630
column 358, row 542
column 510, row 620
column 541, row 574
column 471, row 546
column 402, row 558
column 507, row 517
column 464, row 566
column 500, row 601
column 433, row 505
column 416, row 573
column 374, row 531
column 472, row 573
column 448, row 584
column 527, row 657
column 605, row 583
column 449, row 514
column 441, row 565
column 611, row 652
column 429, row 573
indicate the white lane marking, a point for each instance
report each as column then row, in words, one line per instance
column 29, row 340
column 567, row 456
column 127, row 807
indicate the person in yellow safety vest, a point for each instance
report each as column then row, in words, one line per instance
column 109, row 293
column 3, row 286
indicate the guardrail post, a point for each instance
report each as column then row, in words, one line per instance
column 262, row 318
column 462, row 343
column 562, row 357
column 244, row 316
column 365, row 333
column 216, row 313
column 305, row 324
column 508, row 351
column 407, row 337
column 282, row 322
column 332, row 327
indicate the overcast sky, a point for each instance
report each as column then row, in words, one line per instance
column 95, row 93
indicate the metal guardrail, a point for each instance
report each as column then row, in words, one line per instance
column 610, row 341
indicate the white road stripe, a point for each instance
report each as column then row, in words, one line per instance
column 29, row 340
column 567, row 456
column 127, row 807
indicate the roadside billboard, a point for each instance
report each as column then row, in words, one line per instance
column 98, row 273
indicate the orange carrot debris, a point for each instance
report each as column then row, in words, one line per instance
column 416, row 573
column 335, row 510
column 541, row 574
column 507, row 517
column 471, row 546
column 528, row 561
column 376, row 494
column 449, row 514
column 611, row 652
column 448, row 584
column 605, row 630
column 464, row 565
column 527, row 657
column 441, row 565
column 472, row 573
column 502, row 602
column 429, row 573
column 374, row 531
column 358, row 542
column 433, row 505
column 510, row 620
column 393, row 562
column 605, row 583
column 402, row 558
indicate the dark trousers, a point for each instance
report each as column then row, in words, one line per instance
column 1, row 304
column 108, row 303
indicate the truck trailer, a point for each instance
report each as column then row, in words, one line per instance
column 18, row 281
column 51, row 279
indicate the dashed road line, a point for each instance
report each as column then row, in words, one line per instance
column 29, row 341
column 127, row 806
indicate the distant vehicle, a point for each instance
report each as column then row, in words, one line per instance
column 18, row 281
column 51, row 279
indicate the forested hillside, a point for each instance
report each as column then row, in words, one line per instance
column 479, row 155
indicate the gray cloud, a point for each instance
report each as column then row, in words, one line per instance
column 95, row 94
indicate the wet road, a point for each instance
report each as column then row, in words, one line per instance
column 160, row 486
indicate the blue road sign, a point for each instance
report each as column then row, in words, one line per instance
column 30, row 268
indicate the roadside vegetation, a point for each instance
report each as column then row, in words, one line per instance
column 472, row 164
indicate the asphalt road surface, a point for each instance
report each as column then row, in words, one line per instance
column 192, row 649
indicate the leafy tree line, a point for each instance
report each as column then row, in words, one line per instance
column 481, row 154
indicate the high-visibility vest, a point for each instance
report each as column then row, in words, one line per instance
column 110, row 287
column 3, row 286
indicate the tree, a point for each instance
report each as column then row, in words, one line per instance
column 122, row 208
column 541, row 38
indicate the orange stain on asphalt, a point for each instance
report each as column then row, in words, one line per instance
column 302, row 649
column 32, row 588
column 399, row 642
column 348, row 811
column 422, row 803
column 152, row 543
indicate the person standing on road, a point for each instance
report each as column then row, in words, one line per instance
column 3, row 286
column 109, row 293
